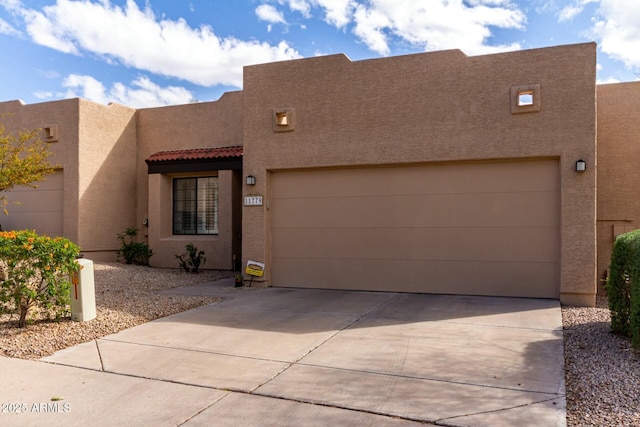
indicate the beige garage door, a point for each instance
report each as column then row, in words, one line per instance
column 456, row 228
column 40, row 208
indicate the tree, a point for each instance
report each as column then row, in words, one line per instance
column 23, row 161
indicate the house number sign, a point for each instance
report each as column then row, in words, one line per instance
column 253, row 201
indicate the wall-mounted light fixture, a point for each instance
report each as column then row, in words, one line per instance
column 251, row 180
column 581, row 165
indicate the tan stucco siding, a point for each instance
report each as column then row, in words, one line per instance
column 107, row 186
column 218, row 248
column 95, row 146
column 430, row 107
column 618, row 157
column 198, row 125
column 63, row 115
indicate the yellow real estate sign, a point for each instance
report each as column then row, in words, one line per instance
column 255, row 268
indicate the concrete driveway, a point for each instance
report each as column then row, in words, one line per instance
column 311, row 357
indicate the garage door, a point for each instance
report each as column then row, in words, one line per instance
column 39, row 209
column 456, row 228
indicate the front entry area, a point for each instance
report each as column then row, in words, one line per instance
column 476, row 228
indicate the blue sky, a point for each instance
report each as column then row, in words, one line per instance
column 163, row 52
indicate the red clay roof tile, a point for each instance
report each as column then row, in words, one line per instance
column 196, row 154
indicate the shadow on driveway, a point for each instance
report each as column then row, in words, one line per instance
column 452, row 360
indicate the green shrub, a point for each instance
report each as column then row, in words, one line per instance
column 623, row 286
column 192, row 259
column 133, row 252
column 35, row 272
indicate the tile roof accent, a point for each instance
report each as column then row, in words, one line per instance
column 196, row 154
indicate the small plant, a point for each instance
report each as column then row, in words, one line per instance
column 192, row 259
column 133, row 252
column 36, row 272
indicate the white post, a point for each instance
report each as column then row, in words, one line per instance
column 83, row 293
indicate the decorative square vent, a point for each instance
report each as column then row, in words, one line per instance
column 50, row 133
column 283, row 119
column 525, row 99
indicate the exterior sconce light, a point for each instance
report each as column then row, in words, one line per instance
column 581, row 166
column 251, row 180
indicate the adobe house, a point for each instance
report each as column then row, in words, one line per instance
column 434, row 172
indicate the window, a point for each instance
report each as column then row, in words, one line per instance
column 195, row 205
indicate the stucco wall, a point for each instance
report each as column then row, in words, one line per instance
column 96, row 147
column 431, row 107
column 17, row 117
column 618, row 172
column 198, row 125
column 107, row 177
column 218, row 248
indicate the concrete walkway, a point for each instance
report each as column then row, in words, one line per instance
column 309, row 357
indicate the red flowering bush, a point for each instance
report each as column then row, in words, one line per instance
column 35, row 271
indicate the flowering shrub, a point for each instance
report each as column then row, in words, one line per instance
column 35, row 272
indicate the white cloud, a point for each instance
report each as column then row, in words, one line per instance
column 370, row 25
column 437, row 25
column 141, row 93
column 338, row 12
column 11, row 5
column 6, row 28
column 301, row 6
column 431, row 25
column 616, row 27
column 569, row 12
column 85, row 87
column 607, row 81
column 266, row 12
column 137, row 38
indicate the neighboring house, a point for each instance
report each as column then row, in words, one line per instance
column 618, row 177
column 435, row 172
column 93, row 194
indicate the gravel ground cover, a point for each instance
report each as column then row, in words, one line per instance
column 602, row 370
column 126, row 296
